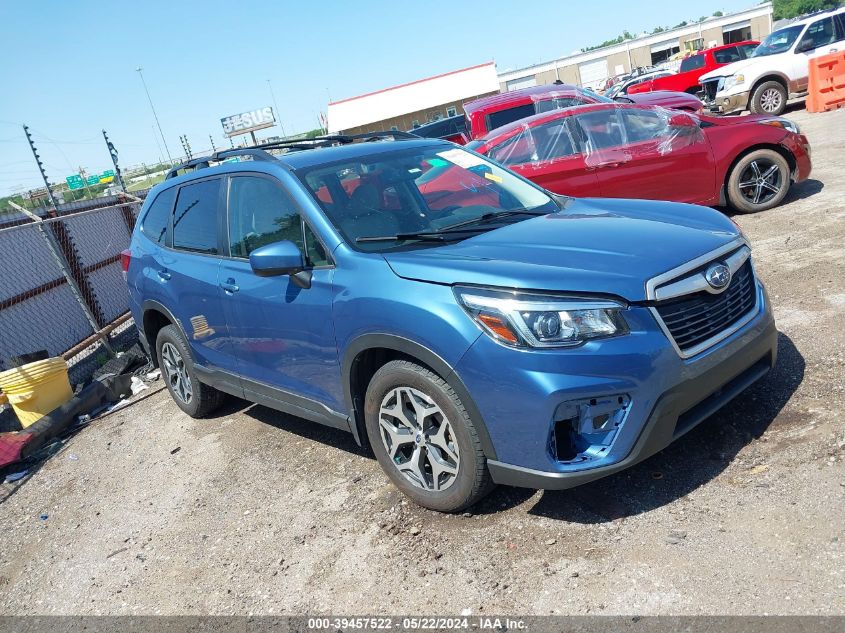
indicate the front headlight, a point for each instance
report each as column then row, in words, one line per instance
column 734, row 80
column 533, row 320
column 786, row 124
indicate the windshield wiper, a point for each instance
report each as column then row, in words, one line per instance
column 448, row 231
column 484, row 217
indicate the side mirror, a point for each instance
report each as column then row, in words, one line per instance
column 681, row 121
column 281, row 258
column 805, row 46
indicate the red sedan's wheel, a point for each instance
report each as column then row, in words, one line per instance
column 759, row 181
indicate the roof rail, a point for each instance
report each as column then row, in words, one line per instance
column 258, row 152
column 203, row 161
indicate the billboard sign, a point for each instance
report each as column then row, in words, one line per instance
column 246, row 122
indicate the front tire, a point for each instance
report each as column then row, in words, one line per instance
column 424, row 438
column 759, row 181
column 177, row 370
column 769, row 98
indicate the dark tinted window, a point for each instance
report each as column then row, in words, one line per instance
column 727, row 56
column 503, row 117
column 260, row 213
column 558, row 103
column 818, row 34
column 195, row 217
column 157, row 219
column 746, row 49
column 692, row 63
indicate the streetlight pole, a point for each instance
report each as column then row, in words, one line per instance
column 152, row 107
column 276, row 105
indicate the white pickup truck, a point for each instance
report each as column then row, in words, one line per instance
column 777, row 69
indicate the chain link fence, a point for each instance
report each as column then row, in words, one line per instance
column 62, row 288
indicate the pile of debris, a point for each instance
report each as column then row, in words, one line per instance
column 112, row 387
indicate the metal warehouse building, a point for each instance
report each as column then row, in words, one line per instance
column 593, row 68
column 405, row 106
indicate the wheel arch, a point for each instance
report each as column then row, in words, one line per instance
column 156, row 316
column 367, row 353
column 780, row 149
column 770, row 76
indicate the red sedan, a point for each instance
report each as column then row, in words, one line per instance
column 632, row 151
column 488, row 113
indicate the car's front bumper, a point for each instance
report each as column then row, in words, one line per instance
column 667, row 396
column 725, row 103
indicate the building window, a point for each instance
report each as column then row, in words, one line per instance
column 393, row 128
column 451, row 111
column 415, row 123
column 694, row 45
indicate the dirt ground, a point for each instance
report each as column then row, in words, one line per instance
column 151, row 512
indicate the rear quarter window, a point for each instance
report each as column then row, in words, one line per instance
column 157, row 219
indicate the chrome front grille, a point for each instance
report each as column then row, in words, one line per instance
column 695, row 315
column 711, row 87
column 694, row 319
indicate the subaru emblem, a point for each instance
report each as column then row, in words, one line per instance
column 718, row 276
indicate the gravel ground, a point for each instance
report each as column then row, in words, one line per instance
column 151, row 512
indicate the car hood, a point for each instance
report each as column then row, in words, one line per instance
column 666, row 99
column 732, row 69
column 607, row 247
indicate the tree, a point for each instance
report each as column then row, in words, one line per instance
column 791, row 8
column 677, row 26
column 718, row 14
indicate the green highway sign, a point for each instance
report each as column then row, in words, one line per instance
column 93, row 180
column 107, row 173
column 75, row 182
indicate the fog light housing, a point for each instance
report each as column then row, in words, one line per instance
column 585, row 429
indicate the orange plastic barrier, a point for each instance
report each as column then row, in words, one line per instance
column 826, row 87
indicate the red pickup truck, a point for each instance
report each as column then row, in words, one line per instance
column 694, row 66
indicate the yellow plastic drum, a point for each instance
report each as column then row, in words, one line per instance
column 36, row 388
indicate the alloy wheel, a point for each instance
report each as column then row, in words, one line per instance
column 176, row 372
column 771, row 100
column 419, row 439
column 760, row 181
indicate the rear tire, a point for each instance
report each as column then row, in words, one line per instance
column 424, row 438
column 759, row 181
column 769, row 98
column 177, row 370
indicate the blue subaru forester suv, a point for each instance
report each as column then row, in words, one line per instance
column 467, row 325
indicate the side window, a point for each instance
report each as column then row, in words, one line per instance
column 644, row 125
column 195, row 217
column 503, row 117
column 692, row 63
column 260, row 213
column 314, row 250
column 517, row 150
column 558, row 103
column 553, row 140
column 840, row 18
column 727, row 55
column 819, row 33
column 601, row 129
column 746, row 50
column 157, row 218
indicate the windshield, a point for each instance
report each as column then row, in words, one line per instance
column 778, row 42
column 420, row 190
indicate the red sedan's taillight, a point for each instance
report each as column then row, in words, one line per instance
column 125, row 258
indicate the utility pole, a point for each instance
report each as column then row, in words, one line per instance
column 113, row 153
column 213, row 149
column 40, row 167
column 85, row 180
column 155, row 116
column 276, row 105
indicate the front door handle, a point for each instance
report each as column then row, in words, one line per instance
column 164, row 274
column 229, row 285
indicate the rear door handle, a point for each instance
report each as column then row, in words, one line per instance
column 229, row 285
column 164, row 274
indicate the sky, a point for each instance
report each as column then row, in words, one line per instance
column 69, row 68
